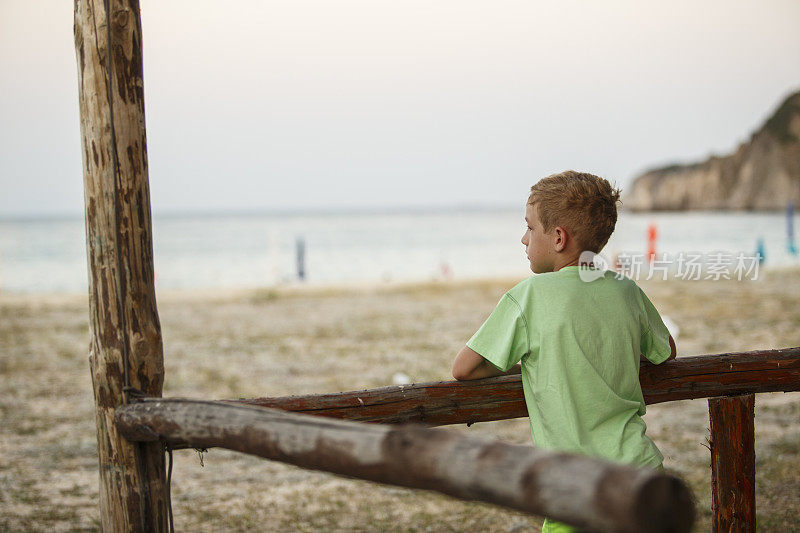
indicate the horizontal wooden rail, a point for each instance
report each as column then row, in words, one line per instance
column 459, row 402
column 576, row 489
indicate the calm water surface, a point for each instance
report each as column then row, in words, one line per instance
column 235, row 251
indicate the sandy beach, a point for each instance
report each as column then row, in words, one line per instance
column 274, row 342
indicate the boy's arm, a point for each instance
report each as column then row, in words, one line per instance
column 673, row 351
column 469, row 364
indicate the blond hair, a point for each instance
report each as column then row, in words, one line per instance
column 583, row 203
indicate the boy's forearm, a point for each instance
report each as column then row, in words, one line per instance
column 488, row 370
column 470, row 365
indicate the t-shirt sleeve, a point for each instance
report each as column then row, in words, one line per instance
column 503, row 338
column 655, row 335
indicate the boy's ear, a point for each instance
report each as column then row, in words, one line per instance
column 560, row 237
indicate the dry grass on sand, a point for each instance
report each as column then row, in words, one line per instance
column 279, row 342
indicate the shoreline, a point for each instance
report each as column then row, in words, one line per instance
column 311, row 288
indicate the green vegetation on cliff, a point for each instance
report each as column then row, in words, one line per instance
column 779, row 124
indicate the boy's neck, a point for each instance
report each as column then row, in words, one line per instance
column 570, row 260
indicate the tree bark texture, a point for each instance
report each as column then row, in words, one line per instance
column 125, row 344
column 733, row 464
column 466, row 402
column 576, row 489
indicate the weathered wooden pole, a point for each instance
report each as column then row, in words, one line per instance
column 733, row 463
column 576, row 489
column 125, row 348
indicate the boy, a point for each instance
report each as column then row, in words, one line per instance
column 578, row 344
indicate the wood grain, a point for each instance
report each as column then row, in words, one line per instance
column 467, row 402
column 125, row 334
column 733, row 463
column 576, row 489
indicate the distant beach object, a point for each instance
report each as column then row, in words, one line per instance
column 300, row 245
column 446, row 270
column 616, row 264
column 400, row 378
column 761, row 252
column 673, row 328
column 790, row 244
column 652, row 235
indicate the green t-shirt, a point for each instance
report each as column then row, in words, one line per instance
column 579, row 343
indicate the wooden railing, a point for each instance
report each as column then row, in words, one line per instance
column 603, row 496
column 729, row 381
column 467, row 402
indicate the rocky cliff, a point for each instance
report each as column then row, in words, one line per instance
column 762, row 174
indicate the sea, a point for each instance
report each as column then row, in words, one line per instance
column 258, row 250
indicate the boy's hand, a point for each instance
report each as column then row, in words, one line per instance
column 469, row 364
column 673, row 350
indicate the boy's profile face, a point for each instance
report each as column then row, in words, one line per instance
column 538, row 245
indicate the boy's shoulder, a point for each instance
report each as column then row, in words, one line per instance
column 575, row 278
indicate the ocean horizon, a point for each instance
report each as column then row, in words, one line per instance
column 259, row 248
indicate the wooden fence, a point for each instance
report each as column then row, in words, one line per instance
column 730, row 380
column 580, row 490
column 467, row 402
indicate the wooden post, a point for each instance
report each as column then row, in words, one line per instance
column 576, row 489
column 733, row 463
column 125, row 345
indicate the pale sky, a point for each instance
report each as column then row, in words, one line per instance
column 265, row 105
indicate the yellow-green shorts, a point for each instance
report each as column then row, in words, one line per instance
column 551, row 526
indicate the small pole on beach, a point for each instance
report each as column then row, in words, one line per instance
column 125, row 348
column 300, row 246
column 761, row 253
column 652, row 234
column 790, row 244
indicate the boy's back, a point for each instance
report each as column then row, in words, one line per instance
column 579, row 344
